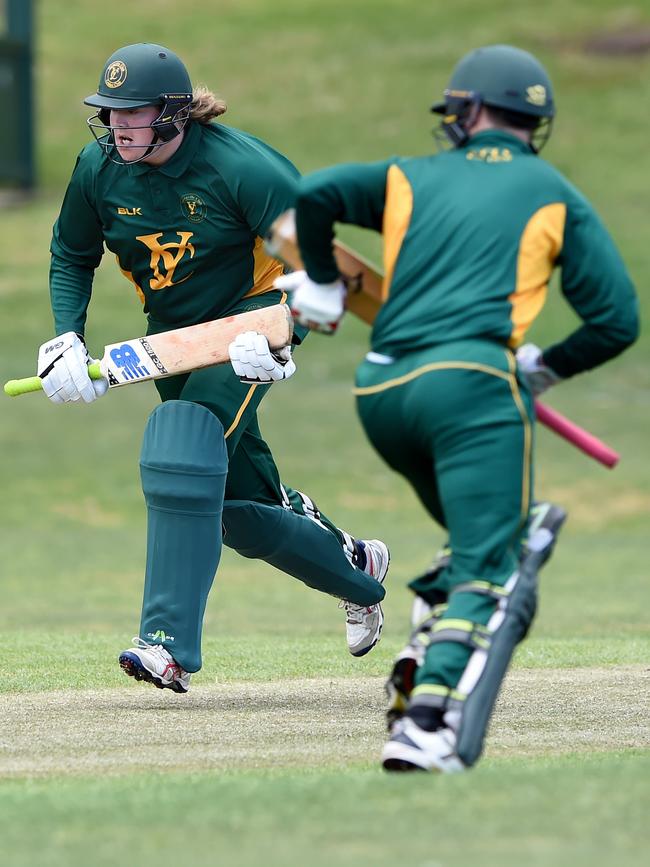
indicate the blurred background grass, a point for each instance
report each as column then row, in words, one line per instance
column 346, row 80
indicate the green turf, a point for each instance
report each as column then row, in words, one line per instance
column 346, row 80
column 541, row 813
column 59, row 659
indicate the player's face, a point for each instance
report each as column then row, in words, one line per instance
column 132, row 130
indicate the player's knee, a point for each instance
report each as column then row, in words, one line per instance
column 252, row 529
column 183, row 462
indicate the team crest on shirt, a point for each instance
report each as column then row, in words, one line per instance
column 166, row 257
column 193, row 207
column 115, row 74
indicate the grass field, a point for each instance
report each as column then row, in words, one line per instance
column 271, row 759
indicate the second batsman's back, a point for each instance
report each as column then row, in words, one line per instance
column 471, row 238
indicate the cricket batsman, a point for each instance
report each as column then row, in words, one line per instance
column 471, row 238
column 183, row 203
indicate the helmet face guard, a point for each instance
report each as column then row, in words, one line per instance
column 135, row 76
column 511, row 82
column 457, row 110
column 452, row 132
column 541, row 134
column 172, row 120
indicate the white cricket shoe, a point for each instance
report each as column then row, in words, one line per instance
column 153, row 663
column 544, row 524
column 411, row 748
column 363, row 623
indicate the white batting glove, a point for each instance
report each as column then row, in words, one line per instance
column 537, row 374
column 63, row 367
column 253, row 360
column 318, row 306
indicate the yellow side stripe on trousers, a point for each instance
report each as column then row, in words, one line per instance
column 528, row 435
column 249, row 395
column 240, row 411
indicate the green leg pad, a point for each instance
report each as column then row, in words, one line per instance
column 183, row 467
column 476, row 709
column 298, row 546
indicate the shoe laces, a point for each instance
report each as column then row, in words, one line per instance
column 161, row 650
column 156, row 648
column 355, row 613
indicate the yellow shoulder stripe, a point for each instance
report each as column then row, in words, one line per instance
column 266, row 269
column 539, row 247
column 397, row 216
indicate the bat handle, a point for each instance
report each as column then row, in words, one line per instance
column 34, row 383
column 23, row 386
column 580, row 438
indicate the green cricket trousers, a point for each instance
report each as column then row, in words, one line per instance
column 206, row 471
column 455, row 421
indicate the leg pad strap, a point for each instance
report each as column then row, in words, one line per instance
column 482, row 678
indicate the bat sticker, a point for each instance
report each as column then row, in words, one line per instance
column 152, row 355
column 128, row 361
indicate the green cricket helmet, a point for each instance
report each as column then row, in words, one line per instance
column 139, row 75
column 505, row 78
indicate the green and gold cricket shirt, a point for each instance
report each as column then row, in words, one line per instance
column 187, row 234
column 471, row 238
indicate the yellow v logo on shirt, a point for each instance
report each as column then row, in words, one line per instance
column 171, row 254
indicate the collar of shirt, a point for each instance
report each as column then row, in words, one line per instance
column 178, row 162
column 495, row 137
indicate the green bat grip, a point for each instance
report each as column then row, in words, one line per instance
column 34, row 383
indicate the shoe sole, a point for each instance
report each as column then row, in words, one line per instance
column 380, row 579
column 400, row 765
column 395, row 757
column 133, row 667
column 400, row 757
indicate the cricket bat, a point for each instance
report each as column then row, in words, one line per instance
column 179, row 351
column 582, row 439
column 361, row 278
column 365, row 297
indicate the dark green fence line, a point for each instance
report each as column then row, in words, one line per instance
column 16, row 96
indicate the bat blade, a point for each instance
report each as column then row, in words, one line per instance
column 363, row 281
column 191, row 348
column 179, row 351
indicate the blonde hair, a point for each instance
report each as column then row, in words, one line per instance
column 205, row 105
